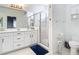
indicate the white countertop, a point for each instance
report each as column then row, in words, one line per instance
column 14, row 30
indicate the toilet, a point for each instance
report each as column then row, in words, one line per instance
column 74, row 44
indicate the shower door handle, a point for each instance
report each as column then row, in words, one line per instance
column 32, row 35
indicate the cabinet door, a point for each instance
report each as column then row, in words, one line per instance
column 1, row 35
column 34, row 37
column 0, row 44
column 18, row 45
column 7, row 42
column 27, row 39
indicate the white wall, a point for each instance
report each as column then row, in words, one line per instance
column 58, row 26
column 63, row 23
column 73, row 25
column 20, row 16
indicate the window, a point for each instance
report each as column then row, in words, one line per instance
column 11, row 22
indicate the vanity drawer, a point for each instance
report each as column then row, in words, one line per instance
column 18, row 38
column 1, row 35
column 19, row 33
column 18, row 45
column 7, row 34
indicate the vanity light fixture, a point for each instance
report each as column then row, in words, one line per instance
column 16, row 6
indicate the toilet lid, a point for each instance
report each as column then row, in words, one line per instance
column 74, row 44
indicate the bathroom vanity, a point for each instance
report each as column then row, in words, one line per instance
column 15, row 33
column 13, row 39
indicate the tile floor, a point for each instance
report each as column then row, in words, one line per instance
column 28, row 51
column 65, row 51
column 25, row 51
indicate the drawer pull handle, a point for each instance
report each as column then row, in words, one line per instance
column 18, row 33
column 31, row 36
column 18, row 38
column 18, row 44
column 2, row 40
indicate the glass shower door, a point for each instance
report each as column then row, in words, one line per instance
column 44, row 29
column 39, row 21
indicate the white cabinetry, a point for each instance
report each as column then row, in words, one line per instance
column 34, row 37
column 7, row 42
column 0, row 42
column 15, row 40
column 31, row 38
column 27, row 38
column 19, row 39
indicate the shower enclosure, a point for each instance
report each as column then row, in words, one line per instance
column 39, row 21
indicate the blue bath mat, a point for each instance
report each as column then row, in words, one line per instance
column 39, row 50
